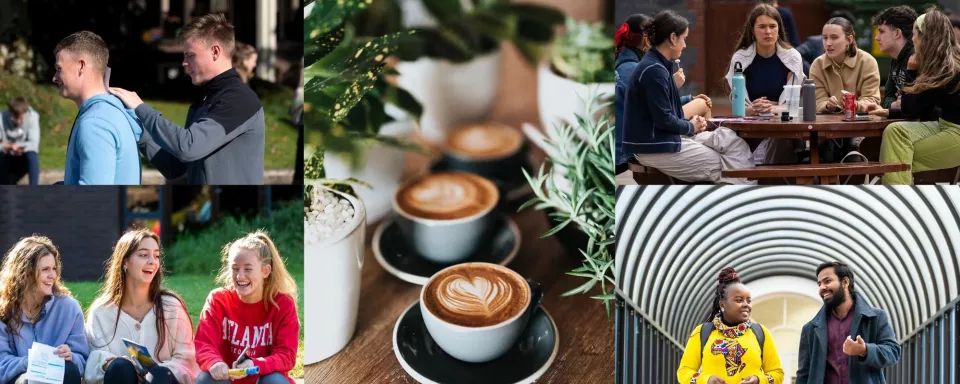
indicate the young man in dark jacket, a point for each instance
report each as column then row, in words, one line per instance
column 223, row 140
column 848, row 341
column 895, row 30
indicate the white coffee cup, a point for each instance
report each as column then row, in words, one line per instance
column 479, row 344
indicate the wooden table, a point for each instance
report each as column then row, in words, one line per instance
column 825, row 127
column 586, row 353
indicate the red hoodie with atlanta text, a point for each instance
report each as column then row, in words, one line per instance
column 228, row 325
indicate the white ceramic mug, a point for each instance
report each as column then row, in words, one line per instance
column 479, row 344
column 332, row 286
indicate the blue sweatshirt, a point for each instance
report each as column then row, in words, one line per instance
column 60, row 322
column 627, row 62
column 103, row 144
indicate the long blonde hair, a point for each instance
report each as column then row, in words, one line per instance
column 278, row 282
column 19, row 275
column 938, row 54
column 115, row 277
column 240, row 53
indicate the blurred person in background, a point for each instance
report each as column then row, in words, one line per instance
column 20, row 140
column 245, row 61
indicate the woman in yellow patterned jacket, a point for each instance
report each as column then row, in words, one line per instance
column 732, row 349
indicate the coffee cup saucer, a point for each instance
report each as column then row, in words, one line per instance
column 513, row 187
column 525, row 362
column 398, row 257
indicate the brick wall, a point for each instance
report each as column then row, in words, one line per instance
column 83, row 222
column 692, row 60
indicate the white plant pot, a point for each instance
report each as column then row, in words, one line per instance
column 561, row 99
column 451, row 94
column 332, row 286
column 382, row 169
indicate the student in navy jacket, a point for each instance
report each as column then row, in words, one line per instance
column 632, row 44
column 654, row 128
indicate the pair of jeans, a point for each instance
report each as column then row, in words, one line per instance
column 13, row 167
column 71, row 375
column 273, row 378
column 123, row 371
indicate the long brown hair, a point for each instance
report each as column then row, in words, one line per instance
column 938, row 54
column 19, row 275
column 747, row 38
column 113, row 290
column 241, row 53
column 278, row 282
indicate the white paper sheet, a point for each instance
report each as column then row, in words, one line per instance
column 43, row 366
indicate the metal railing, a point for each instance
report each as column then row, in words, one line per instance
column 644, row 353
column 931, row 353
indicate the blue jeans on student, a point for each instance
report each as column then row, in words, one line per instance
column 123, row 371
column 273, row 378
column 71, row 375
column 13, row 167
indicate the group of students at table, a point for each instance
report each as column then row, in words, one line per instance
column 664, row 130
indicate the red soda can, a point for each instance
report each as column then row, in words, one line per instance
column 849, row 106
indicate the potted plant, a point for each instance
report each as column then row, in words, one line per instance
column 334, row 239
column 581, row 59
column 358, row 121
column 451, row 65
column 577, row 193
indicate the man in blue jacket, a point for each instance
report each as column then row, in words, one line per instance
column 848, row 341
column 102, row 148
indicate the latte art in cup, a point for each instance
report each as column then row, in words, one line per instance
column 486, row 141
column 447, row 196
column 474, row 295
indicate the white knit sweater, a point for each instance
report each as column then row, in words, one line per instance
column 789, row 57
column 178, row 352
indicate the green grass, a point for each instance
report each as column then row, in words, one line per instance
column 199, row 252
column 57, row 115
column 194, row 290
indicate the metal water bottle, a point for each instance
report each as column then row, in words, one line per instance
column 809, row 91
column 739, row 93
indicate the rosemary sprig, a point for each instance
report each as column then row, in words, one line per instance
column 578, row 188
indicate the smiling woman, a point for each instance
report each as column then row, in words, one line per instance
column 35, row 307
column 133, row 298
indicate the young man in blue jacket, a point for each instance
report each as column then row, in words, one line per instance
column 102, row 148
column 655, row 130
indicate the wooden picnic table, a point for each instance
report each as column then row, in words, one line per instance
column 825, row 127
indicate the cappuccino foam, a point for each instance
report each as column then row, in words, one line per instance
column 487, row 141
column 472, row 295
column 447, row 196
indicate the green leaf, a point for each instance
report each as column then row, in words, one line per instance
column 324, row 16
column 556, row 229
column 581, row 289
column 400, row 97
column 609, row 296
column 443, row 10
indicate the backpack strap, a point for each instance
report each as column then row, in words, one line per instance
column 758, row 332
column 707, row 328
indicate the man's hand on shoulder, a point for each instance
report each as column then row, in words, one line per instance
column 129, row 99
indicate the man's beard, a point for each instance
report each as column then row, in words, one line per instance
column 839, row 296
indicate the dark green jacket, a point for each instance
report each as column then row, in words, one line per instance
column 898, row 73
